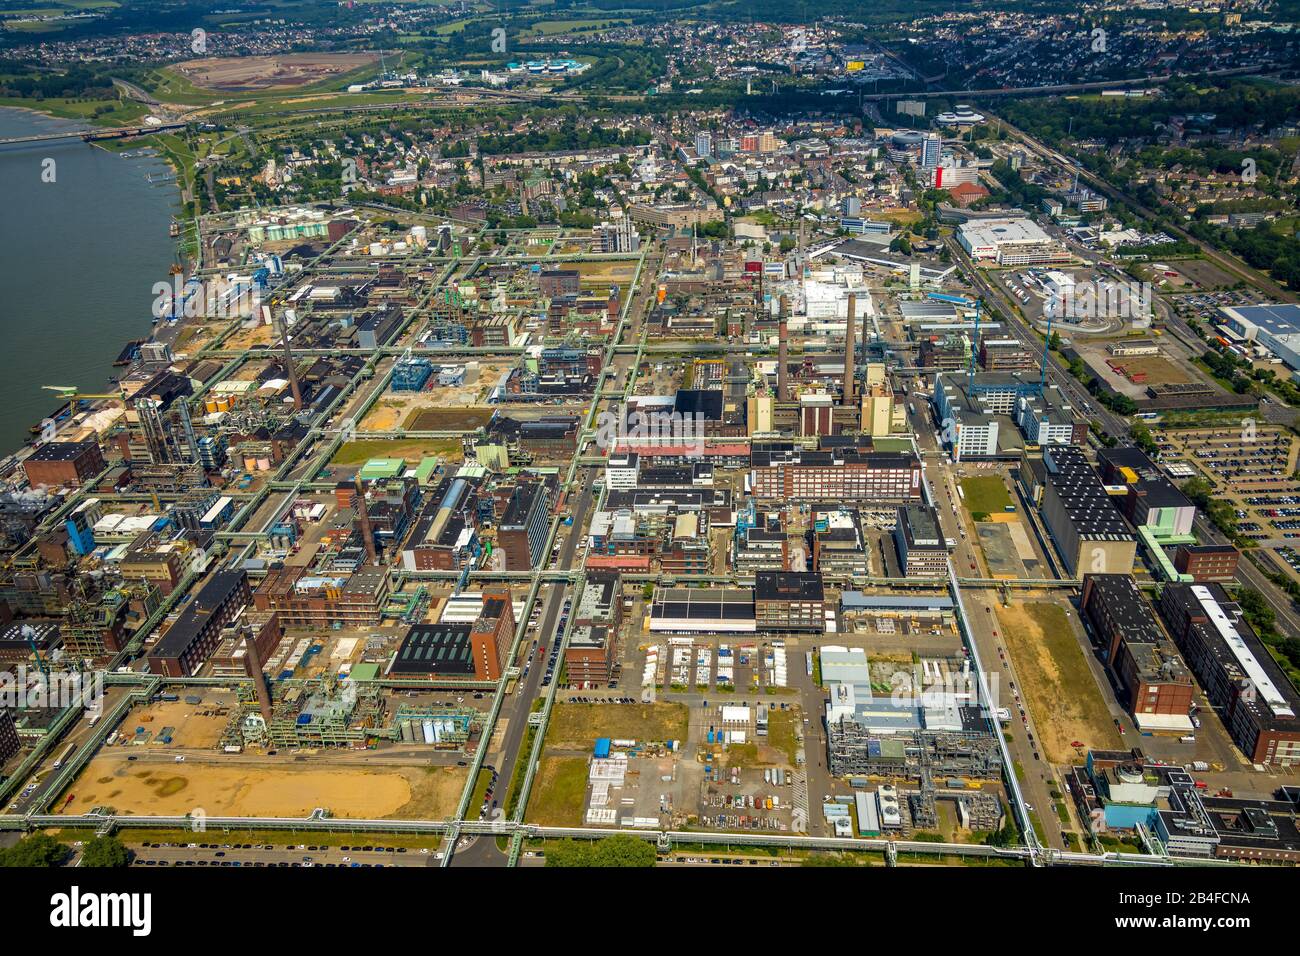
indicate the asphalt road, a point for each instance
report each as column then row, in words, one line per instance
column 985, row 632
column 483, row 851
column 226, row 854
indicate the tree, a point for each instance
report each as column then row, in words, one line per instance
column 105, row 851
column 37, row 850
column 615, row 851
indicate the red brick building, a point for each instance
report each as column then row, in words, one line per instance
column 64, row 463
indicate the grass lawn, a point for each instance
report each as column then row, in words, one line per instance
column 1060, row 689
column 781, row 733
column 576, row 726
column 987, row 493
column 480, row 790
column 359, row 452
column 559, row 792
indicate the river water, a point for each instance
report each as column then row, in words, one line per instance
column 78, row 260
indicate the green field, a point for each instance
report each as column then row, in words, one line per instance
column 986, row 494
column 559, row 792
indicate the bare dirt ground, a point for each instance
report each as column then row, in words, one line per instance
column 253, row 73
column 242, row 787
column 236, row 789
column 1062, row 693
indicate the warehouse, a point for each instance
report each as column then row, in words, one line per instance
column 1089, row 532
column 707, row 610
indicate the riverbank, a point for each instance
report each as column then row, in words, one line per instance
column 85, row 241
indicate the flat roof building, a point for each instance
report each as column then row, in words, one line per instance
column 1258, row 705
column 922, row 551
column 1089, row 532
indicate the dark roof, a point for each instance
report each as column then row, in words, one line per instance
column 732, row 604
column 194, row 619
column 706, row 403
column 435, row 649
column 788, row 586
column 1083, row 497
column 62, row 450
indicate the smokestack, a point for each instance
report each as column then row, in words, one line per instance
column 367, row 536
column 850, row 347
column 254, row 662
column 288, row 365
column 782, row 353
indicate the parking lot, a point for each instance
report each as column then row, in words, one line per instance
column 1251, row 465
column 200, row 853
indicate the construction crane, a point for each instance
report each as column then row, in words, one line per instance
column 29, row 632
column 73, row 394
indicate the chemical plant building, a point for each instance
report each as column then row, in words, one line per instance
column 1258, row 705
column 64, row 463
column 703, row 610
column 454, row 648
column 522, row 531
column 1089, row 532
column 1150, row 501
column 789, row 601
column 1154, row 684
column 782, row 472
column 922, row 551
column 589, row 657
column 9, row 742
column 1009, row 242
column 304, row 599
column 1131, row 791
column 188, row 643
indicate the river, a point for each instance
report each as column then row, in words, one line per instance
column 79, row 256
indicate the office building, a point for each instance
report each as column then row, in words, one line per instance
column 780, row 471
column 524, row 526
column 922, row 551
column 789, row 601
column 1153, row 681
column 1207, row 562
column 1244, row 685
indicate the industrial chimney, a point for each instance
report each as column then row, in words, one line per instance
column 254, row 662
column 288, row 365
column 367, row 535
column 850, row 345
column 782, row 352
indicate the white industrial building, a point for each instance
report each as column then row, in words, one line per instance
column 1009, row 242
column 1276, row 327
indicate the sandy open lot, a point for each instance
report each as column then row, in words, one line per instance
column 237, row 787
column 1063, row 696
column 252, row 73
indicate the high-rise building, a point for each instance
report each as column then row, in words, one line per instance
column 703, row 144
column 931, row 149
